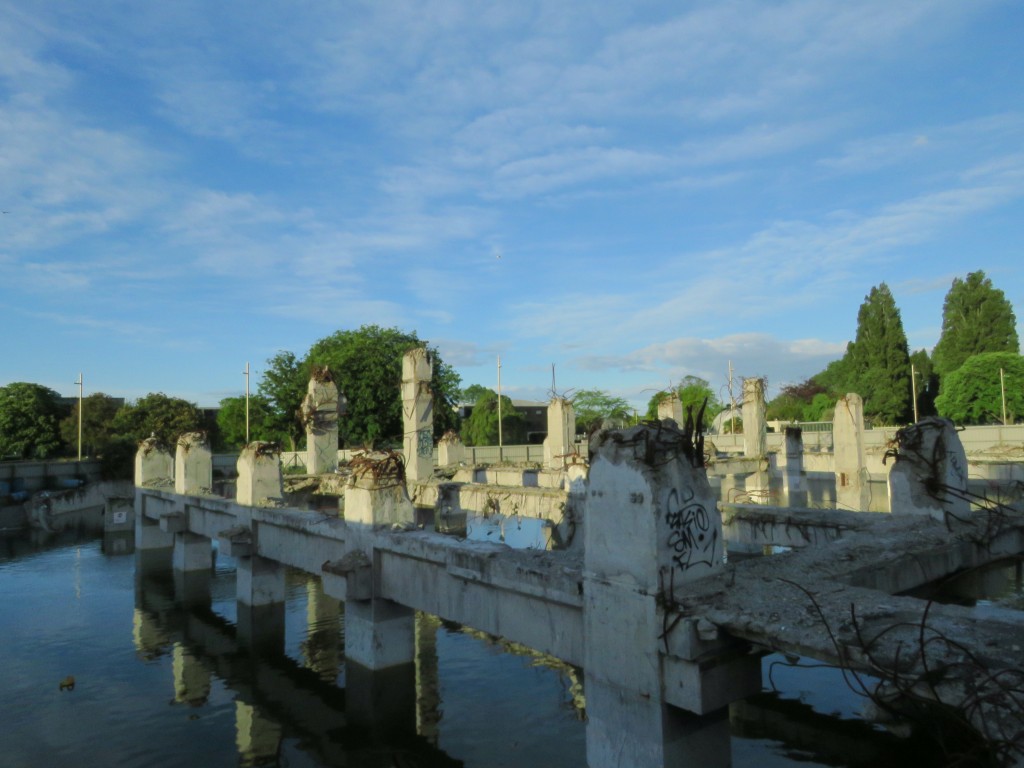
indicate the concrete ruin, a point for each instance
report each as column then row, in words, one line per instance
column 418, row 413
column 154, row 464
column 259, row 475
column 193, row 467
column 929, row 473
column 450, row 450
column 319, row 411
column 852, row 489
column 671, row 407
column 558, row 445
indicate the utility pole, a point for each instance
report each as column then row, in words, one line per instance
column 732, row 404
column 246, row 373
column 1002, row 392
column 913, row 389
column 79, row 383
column 499, row 411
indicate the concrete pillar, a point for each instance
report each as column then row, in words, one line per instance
column 191, row 678
column 794, row 485
column 154, row 465
column 755, row 439
column 379, row 633
column 560, row 442
column 118, row 515
column 450, row 449
column 418, row 411
column 320, row 414
column 259, row 475
column 193, row 465
column 652, row 525
column 192, row 552
column 671, row 407
column 260, row 589
column 149, row 536
column 375, row 494
column 852, row 490
column 929, row 473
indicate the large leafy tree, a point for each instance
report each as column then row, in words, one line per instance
column 283, row 386
column 367, row 367
column 481, row 428
column 471, row 394
column 595, row 408
column 976, row 318
column 880, row 360
column 794, row 401
column 231, row 421
column 926, row 383
column 692, row 391
column 158, row 415
column 29, row 421
column 972, row 394
column 98, row 412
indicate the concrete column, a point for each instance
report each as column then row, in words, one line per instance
column 852, row 491
column 379, row 633
column 450, row 449
column 449, row 516
column 559, row 443
column 794, row 484
column 259, row 475
column 260, row 589
column 671, row 407
column 375, row 494
column 418, row 412
column 320, row 414
column 192, row 552
column 929, row 473
column 755, row 439
column 193, row 465
column 154, row 465
column 652, row 525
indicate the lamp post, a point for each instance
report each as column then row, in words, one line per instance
column 1002, row 393
column 79, row 383
column 246, row 374
column 499, row 411
column 913, row 389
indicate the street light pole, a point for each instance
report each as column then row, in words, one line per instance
column 913, row 389
column 246, row 373
column 499, row 411
column 1002, row 392
column 79, row 383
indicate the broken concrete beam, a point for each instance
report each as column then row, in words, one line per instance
column 236, row 541
column 350, row 578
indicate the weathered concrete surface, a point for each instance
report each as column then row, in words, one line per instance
column 320, row 415
column 259, row 475
column 929, row 472
column 848, row 437
column 418, row 414
column 154, row 465
column 560, row 441
column 193, row 466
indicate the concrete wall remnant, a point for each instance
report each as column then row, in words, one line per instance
column 193, row 464
column 671, row 407
column 450, row 449
column 929, row 473
column 418, row 414
column 852, row 477
column 558, row 445
column 755, row 438
column 154, row 464
column 376, row 491
column 320, row 410
column 259, row 475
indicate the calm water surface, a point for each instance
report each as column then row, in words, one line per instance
column 157, row 684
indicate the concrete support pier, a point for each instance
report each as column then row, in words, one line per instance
column 418, row 413
column 193, row 465
column 755, row 438
column 561, row 433
column 320, row 414
column 794, row 484
column 652, row 527
column 852, row 489
column 929, row 476
column 259, row 475
column 261, row 592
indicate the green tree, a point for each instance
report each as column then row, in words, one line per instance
column 367, row 367
column 157, row 414
column 98, row 411
column 595, row 408
column 926, row 384
column 481, row 428
column 972, row 394
column 283, row 385
column 474, row 392
column 29, row 421
column 692, row 391
column 976, row 318
column 880, row 359
column 231, row 421
column 794, row 401
column 839, row 376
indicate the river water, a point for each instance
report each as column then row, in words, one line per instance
column 159, row 684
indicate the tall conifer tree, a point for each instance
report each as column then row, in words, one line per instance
column 880, row 360
column 976, row 318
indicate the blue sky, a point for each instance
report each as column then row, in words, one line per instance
column 634, row 192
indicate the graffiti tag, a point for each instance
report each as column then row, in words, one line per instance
column 693, row 538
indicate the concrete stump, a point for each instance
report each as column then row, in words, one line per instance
column 193, row 465
column 559, row 443
column 320, row 414
column 929, row 476
column 259, row 475
column 852, row 489
column 154, row 464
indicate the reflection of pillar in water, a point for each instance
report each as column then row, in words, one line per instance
column 257, row 737
column 321, row 648
column 428, row 701
column 192, row 568
column 260, row 585
column 380, row 670
column 147, row 636
column 191, row 678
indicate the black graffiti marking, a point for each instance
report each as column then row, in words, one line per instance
column 693, row 538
